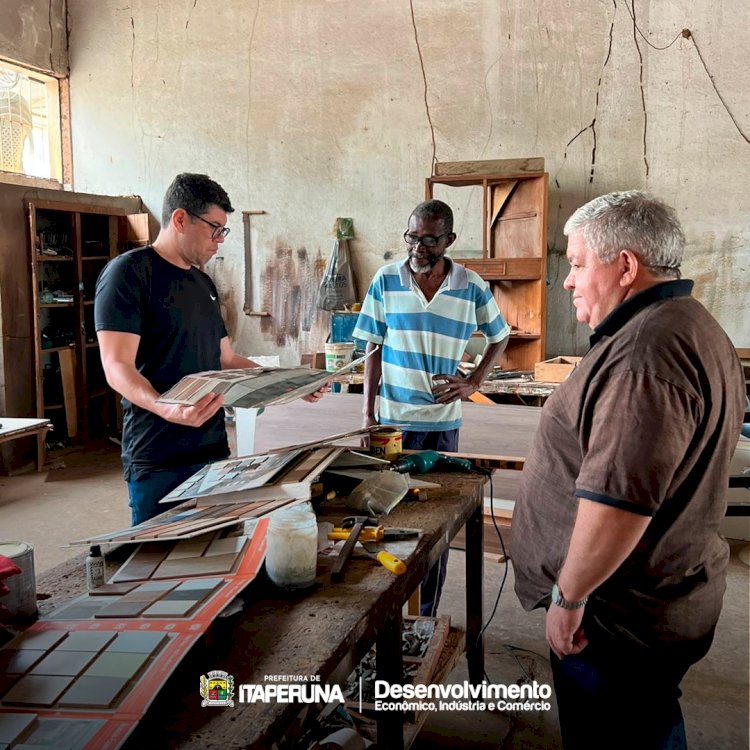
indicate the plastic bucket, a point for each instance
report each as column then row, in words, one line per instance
column 338, row 355
column 21, row 601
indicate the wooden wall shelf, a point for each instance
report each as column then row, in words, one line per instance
column 69, row 377
column 514, row 246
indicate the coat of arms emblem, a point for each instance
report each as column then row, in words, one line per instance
column 217, row 689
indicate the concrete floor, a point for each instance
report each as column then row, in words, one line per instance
column 50, row 509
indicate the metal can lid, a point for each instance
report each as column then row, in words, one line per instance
column 14, row 549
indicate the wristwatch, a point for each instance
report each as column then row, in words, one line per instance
column 562, row 602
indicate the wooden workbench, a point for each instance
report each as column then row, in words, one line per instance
column 323, row 631
column 14, row 428
column 497, row 429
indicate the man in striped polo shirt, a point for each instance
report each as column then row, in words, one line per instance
column 422, row 312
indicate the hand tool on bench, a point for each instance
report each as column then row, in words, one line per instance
column 386, row 559
column 348, row 548
column 370, row 531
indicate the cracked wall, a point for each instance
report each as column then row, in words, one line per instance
column 313, row 109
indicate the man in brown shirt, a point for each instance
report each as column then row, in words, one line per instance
column 616, row 527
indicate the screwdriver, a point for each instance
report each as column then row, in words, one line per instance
column 386, row 559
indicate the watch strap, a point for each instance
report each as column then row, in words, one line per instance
column 559, row 599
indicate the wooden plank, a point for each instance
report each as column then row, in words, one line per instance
column 68, row 376
column 480, row 398
column 495, row 167
column 493, row 269
column 504, row 430
column 500, row 195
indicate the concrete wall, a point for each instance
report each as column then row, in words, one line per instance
column 33, row 33
column 313, row 109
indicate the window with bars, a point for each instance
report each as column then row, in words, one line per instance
column 29, row 123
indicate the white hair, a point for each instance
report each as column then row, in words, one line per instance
column 633, row 221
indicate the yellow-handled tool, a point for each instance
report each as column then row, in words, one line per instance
column 368, row 533
column 386, row 559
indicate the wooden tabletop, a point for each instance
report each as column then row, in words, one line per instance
column 324, row 630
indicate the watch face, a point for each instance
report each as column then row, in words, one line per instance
column 556, row 597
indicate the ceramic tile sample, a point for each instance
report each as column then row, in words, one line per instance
column 40, row 640
column 70, row 733
column 169, row 609
column 201, row 583
column 64, row 663
column 196, row 566
column 232, row 544
column 117, row 664
column 83, row 608
column 191, row 548
column 123, row 609
column 111, row 589
column 144, row 562
column 95, row 692
column 157, row 586
column 13, row 726
column 137, row 642
column 20, row 661
column 37, row 690
column 85, row 640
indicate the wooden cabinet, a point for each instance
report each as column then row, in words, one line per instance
column 70, row 245
column 514, row 246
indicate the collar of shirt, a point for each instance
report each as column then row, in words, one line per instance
column 457, row 277
column 627, row 309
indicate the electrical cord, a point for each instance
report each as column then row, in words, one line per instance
column 488, row 474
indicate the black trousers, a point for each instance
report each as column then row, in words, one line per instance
column 621, row 695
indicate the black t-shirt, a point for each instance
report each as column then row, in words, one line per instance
column 176, row 313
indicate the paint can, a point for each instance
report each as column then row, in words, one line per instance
column 385, row 442
column 339, row 355
column 21, row 601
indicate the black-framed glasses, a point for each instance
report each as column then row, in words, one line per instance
column 427, row 241
column 218, row 230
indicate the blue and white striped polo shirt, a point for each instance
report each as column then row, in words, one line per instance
column 420, row 339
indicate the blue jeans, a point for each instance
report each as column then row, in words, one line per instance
column 145, row 492
column 432, row 584
column 620, row 695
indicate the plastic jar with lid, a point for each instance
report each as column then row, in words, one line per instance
column 292, row 547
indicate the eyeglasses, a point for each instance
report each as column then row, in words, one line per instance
column 426, row 241
column 218, row 230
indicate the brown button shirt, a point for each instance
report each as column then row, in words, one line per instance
column 648, row 423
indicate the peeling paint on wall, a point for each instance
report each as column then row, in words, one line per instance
column 334, row 123
column 289, row 288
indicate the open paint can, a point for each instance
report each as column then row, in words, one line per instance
column 385, row 442
column 21, row 601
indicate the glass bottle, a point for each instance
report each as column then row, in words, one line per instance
column 292, row 547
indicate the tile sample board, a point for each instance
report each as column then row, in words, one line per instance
column 188, row 523
column 85, row 675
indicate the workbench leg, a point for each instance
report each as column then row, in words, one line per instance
column 389, row 666
column 475, row 595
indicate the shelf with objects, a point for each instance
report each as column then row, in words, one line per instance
column 70, row 244
column 513, row 230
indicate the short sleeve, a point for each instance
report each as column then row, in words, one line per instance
column 371, row 321
column 117, row 303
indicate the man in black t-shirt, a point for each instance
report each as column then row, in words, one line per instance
column 157, row 319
